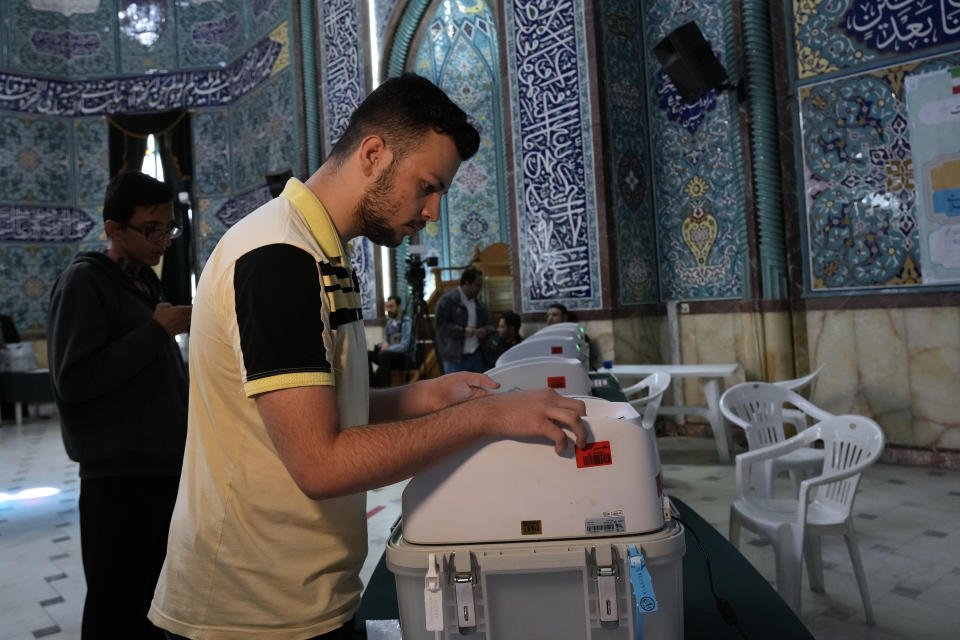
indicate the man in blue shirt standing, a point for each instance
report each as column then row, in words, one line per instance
column 398, row 349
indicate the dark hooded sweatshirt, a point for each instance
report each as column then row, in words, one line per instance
column 119, row 380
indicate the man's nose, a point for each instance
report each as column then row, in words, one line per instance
column 431, row 208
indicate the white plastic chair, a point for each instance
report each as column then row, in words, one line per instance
column 797, row 418
column 655, row 384
column 824, row 506
column 758, row 408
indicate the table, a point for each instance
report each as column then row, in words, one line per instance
column 711, row 382
column 761, row 612
column 26, row 387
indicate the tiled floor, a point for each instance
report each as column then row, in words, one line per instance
column 908, row 520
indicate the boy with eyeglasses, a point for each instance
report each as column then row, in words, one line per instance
column 121, row 389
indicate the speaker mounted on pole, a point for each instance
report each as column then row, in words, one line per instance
column 689, row 61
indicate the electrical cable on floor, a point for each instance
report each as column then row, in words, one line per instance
column 723, row 605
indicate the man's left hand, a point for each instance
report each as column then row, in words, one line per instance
column 455, row 388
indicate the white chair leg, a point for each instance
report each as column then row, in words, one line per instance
column 764, row 484
column 788, row 560
column 734, row 535
column 795, row 479
column 814, row 560
column 851, row 539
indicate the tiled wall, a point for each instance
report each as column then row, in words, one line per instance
column 697, row 173
column 64, row 69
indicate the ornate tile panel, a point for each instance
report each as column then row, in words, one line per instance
column 209, row 228
column 344, row 87
column 51, row 43
column 830, row 35
column 696, row 176
column 383, row 11
column 92, row 159
column 625, row 116
column 459, row 54
column 210, row 33
column 553, row 154
column 148, row 36
column 28, row 273
column 859, row 181
column 211, row 156
column 341, row 64
column 155, row 92
column 43, row 224
column 263, row 132
column 263, row 15
column 35, row 160
column 231, row 211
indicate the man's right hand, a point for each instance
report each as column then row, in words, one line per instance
column 522, row 414
column 175, row 319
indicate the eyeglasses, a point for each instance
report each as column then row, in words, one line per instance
column 158, row 234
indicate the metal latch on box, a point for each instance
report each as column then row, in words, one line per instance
column 606, row 572
column 464, row 583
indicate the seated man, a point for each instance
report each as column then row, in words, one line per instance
column 557, row 313
column 398, row 349
column 507, row 335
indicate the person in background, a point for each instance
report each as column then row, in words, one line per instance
column 398, row 349
column 462, row 324
column 120, row 385
column 506, row 336
column 268, row 536
column 557, row 313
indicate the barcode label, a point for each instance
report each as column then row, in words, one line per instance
column 556, row 349
column 594, row 454
column 596, row 526
column 557, row 382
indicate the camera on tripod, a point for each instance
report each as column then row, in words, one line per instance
column 416, row 272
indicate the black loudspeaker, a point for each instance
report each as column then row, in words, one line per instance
column 690, row 63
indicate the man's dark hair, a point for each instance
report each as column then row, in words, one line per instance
column 470, row 274
column 512, row 319
column 133, row 189
column 562, row 308
column 396, row 299
column 401, row 111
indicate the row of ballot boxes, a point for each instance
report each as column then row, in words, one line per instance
column 507, row 539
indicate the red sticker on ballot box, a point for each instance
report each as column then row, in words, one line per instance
column 556, row 349
column 557, row 382
column 594, row 454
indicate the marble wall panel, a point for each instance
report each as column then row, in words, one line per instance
column 749, row 345
column 933, row 359
column 832, row 338
column 638, row 340
column 777, row 345
column 885, row 390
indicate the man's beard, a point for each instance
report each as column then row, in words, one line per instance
column 370, row 210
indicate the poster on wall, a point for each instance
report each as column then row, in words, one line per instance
column 933, row 108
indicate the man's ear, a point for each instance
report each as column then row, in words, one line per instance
column 111, row 227
column 373, row 155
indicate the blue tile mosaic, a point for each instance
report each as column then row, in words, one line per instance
column 263, row 15
column 235, row 209
column 341, row 63
column 553, row 154
column 831, row 35
column 148, row 36
column 263, row 132
column 210, row 33
column 629, row 200
column 35, row 160
column 383, row 11
column 696, row 173
column 860, row 194
column 43, row 224
column 92, row 159
column 28, row 273
column 157, row 92
column 459, row 54
column 211, row 156
column 344, row 88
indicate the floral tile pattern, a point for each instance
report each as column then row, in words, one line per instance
column 629, row 196
column 211, row 155
column 28, row 273
column 50, row 43
column 831, row 35
column 92, row 159
column 696, row 175
column 210, row 33
column 35, row 160
column 859, row 181
column 459, row 53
